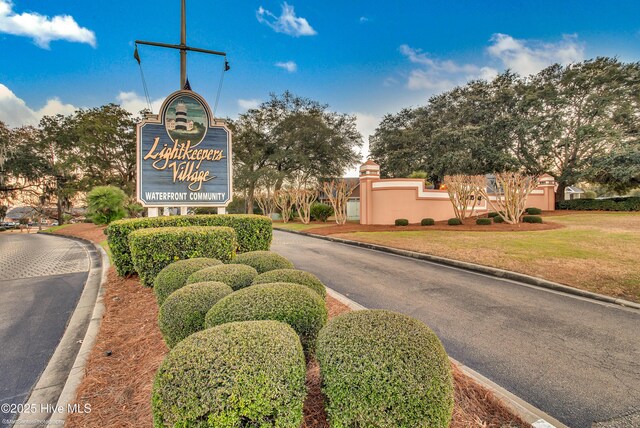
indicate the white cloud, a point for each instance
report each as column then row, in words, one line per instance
column 290, row 66
column 527, row 57
column 286, row 23
column 43, row 29
column 364, row 19
column 134, row 103
column 248, row 104
column 15, row 112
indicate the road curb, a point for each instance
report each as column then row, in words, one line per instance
column 51, row 396
column 529, row 413
column 487, row 270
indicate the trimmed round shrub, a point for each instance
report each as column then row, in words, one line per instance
column 245, row 374
column 493, row 214
column 454, row 222
column 235, row 276
column 483, row 221
column 263, row 261
column 384, row 369
column 297, row 305
column 320, row 211
column 294, row 276
column 532, row 219
column 182, row 314
column 498, row 219
column 533, row 211
column 153, row 249
column 175, row 275
column 402, row 222
column 427, row 222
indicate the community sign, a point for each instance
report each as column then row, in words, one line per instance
column 184, row 155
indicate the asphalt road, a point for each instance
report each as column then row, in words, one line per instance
column 41, row 279
column 577, row 360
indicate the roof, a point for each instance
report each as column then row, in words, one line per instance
column 370, row 162
column 573, row 189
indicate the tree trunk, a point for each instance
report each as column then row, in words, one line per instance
column 60, row 211
column 560, row 191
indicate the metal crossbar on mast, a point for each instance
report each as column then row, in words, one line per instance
column 182, row 47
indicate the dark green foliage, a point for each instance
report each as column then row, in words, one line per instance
column 610, row 204
column 182, row 314
column 483, row 221
column 498, row 219
column 175, row 275
column 235, row 276
column 493, row 214
column 245, row 374
column 427, row 222
column 253, row 232
column 531, row 219
column 454, row 222
column 402, row 222
column 384, row 369
column 153, row 249
column 263, row 261
column 320, row 211
column 295, row 304
column 293, row 276
column 533, row 211
column 105, row 204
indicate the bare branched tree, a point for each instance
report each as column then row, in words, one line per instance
column 285, row 201
column 264, row 197
column 338, row 192
column 511, row 192
column 464, row 192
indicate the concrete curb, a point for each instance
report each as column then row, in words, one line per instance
column 57, row 385
column 530, row 414
column 487, row 270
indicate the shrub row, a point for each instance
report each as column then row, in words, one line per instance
column 611, row 204
column 427, row 222
column 153, row 249
column 263, row 261
column 454, row 222
column 175, row 275
column 253, row 232
column 402, row 222
column 533, row 211
column 293, row 276
column 235, row 276
column 531, row 219
column 483, row 221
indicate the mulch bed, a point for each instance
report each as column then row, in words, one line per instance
column 129, row 349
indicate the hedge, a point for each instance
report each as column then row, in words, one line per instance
column 300, row 307
column 533, row 211
column 175, row 275
column 498, row 219
column 263, row 261
column 531, row 219
column 611, row 204
column 253, row 232
column 493, row 214
column 294, row 276
column 153, row 249
column 454, row 222
column 245, row 374
column 402, row 222
column 483, row 221
column 427, row 222
column 384, row 369
column 235, row 276
column 182, row 314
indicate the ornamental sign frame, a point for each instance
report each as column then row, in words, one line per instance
column 184, row 155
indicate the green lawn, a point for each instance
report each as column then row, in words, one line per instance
column 54, row 228
column 300, row 226
column 597, row 252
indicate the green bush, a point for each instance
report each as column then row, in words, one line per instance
column 493, row 214
column 300, row 307
column 235, row 276
column 293, row 276
column 105, row 204
column 175, row 275
column 427, row 222
column 498, row 219
column 590, row 194
column 384, row 369
column 263, row 261
column 533, row 211
column 532, row 219
column 320, row 211
column 454, row 222
column 245, row 374
column 402, row 222
column 182, row 314
column 153, row 249
column 483, row 221
column 253, row 232
column 610, row 204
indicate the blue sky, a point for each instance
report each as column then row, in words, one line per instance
column 362, row 57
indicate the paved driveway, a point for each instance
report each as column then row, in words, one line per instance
column 41, row 279
column 577, row 360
